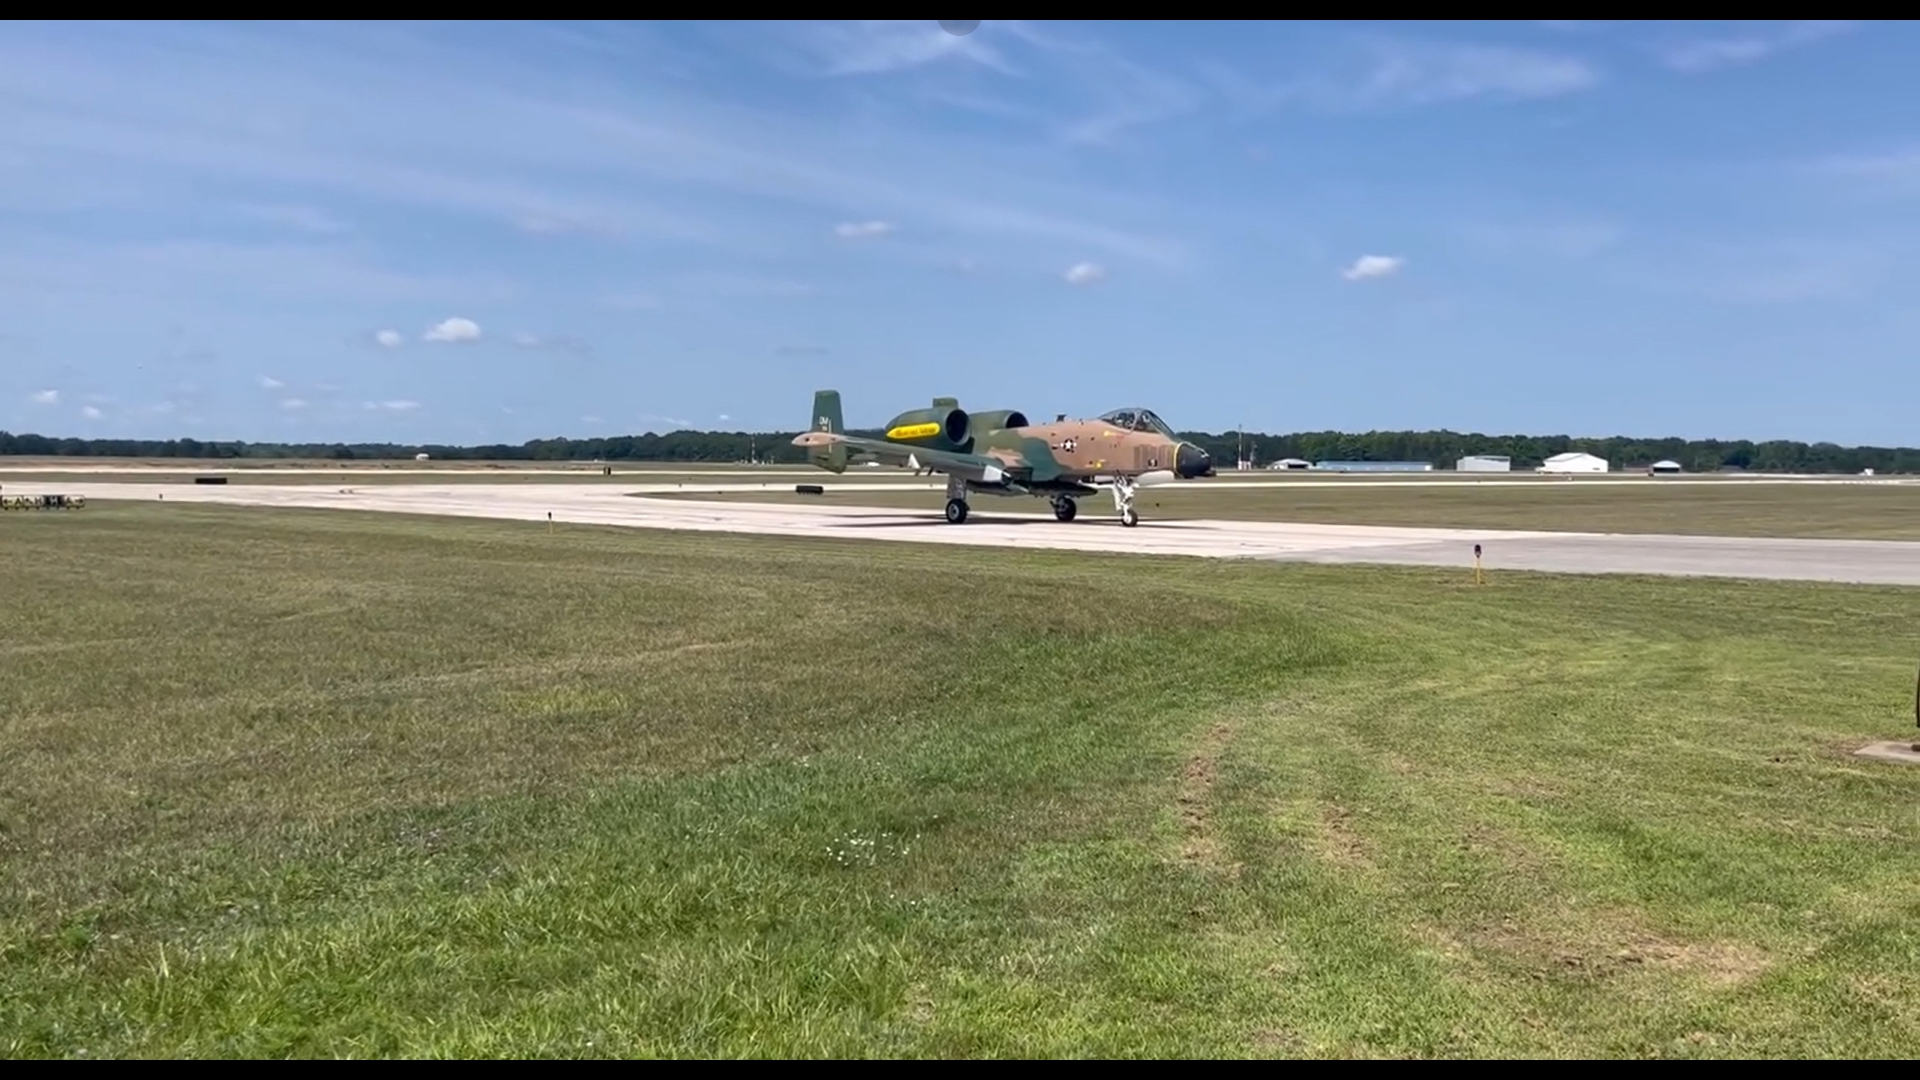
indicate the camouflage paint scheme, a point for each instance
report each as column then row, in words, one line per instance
column 1000, row 453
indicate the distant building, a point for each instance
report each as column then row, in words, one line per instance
column 1291, row 463
column 1484, row 463
column 1663, row 468
column 1375, row 466
column 1573, row 462
column 419, row 457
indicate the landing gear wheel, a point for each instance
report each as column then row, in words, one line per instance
column 956, row 511
column 1064, row 509
column 1129, row 518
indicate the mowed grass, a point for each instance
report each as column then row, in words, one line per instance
column 319, row 783
column 1863, row 511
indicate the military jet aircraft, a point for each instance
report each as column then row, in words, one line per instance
column 1001, row 453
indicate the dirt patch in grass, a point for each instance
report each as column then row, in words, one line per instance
column 1338, row 841
column 1610, row 944
column 1200, row 846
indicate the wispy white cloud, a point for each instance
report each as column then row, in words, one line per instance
column 90, row 412
column 1893, row 173
column 165, row 271
column 557, row 223
column 561, row 343
column 454, row 331
column 644, row 163
column 1413, row 73
column 1713, row 54
column 877, row 47
column 1562, row 240
column 391, row 406
column 46, row 397
column 862, row 230
column 268, row 382
column 388, row 339
column 1373, row 266
column 304, row 218
column 1766, row 271
column 1085, row 273
column 639, row 300
column 293, row 403
column 722, row 283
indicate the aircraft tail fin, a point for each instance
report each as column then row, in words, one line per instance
column 826, row 412
column 826, row 417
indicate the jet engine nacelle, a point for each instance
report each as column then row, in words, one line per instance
column 998, row 420
column 943, row 427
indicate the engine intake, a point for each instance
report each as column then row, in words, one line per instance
column 999, row 420
column 942, row 427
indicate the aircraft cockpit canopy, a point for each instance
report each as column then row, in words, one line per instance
column 1138, row 420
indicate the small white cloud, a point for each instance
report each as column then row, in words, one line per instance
column 724, row 416
column 861, row 230
column 391, row 339
column 270, row 383
column 47, row 397
column 589, row 419
column 1086, row 273
column 526, row 341
column 1373, row 266
column 293, row 403
column 455, row 330
column 91, row 413
column 400, row 406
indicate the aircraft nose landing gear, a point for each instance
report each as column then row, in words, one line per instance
column 1123, row 490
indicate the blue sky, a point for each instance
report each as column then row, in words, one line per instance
column 486, row 231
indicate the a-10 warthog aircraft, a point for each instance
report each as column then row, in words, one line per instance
column 1001, row 453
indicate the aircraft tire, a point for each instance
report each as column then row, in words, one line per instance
column 956, row 511
column 1129, row 517
column 1065, row 509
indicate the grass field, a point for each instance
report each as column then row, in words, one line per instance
column 1865, row 511
column 329, row 784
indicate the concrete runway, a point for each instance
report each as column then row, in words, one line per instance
column 1858, row 561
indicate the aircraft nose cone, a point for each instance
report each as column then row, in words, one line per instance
column 1190, row 461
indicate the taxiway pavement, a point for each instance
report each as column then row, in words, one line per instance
column 1856, row 561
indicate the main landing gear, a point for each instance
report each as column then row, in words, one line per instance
column 956, row 500
column 1064, row 508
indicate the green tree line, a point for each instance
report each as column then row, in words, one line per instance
column 1441, row 448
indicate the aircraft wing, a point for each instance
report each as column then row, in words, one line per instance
column 975, row 467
